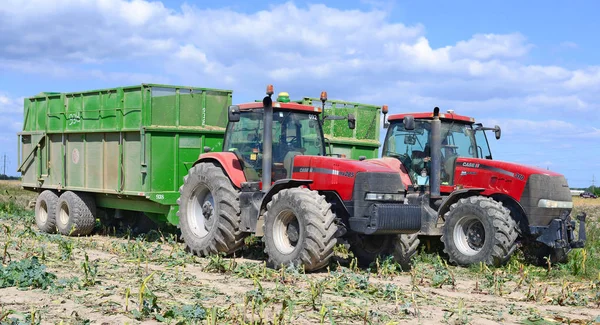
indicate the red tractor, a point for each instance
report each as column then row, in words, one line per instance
column 479, row 207
column 273, row 179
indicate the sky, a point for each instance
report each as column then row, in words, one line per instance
column 530, row 67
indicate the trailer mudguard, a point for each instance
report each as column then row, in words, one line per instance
column 230, row 164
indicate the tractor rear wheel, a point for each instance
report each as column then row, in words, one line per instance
column 75, row 214
column 299, row 229
column 405, row 248
column 479, row 229
column 45, row 211
column 209, row 212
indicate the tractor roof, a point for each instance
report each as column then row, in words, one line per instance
column 429, row 116
column 284, row 106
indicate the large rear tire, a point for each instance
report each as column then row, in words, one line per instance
column 367, row 248
column 479, row 229
column 209, row 212
column 299, row 229
column 405, row 248
column 45, row 211
column 75, row 214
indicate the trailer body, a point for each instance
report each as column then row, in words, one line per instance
column 128, row 146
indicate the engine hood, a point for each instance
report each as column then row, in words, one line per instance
column 521, row 172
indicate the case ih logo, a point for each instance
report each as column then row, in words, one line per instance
column 471, row 165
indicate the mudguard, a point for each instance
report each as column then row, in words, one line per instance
column 230, row 164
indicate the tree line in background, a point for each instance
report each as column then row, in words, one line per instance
column 10, row 178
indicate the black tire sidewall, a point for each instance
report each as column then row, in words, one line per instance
column 486, row 253
column 365, row 257
column 196, row 180
column 300, row 214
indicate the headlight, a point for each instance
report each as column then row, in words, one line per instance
column 384, row 197
column 544, row 203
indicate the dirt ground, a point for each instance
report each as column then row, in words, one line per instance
column 116, row 279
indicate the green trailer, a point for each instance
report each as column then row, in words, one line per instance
column 126, row 148
column 342, row 141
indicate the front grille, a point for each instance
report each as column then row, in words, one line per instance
column 544, row 187
column 396, row 217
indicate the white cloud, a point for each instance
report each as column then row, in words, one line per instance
column 488, row 46
column 354, row 55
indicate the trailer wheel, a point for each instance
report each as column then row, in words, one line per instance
column 299, row 229
column 209, row 212
column 45, row 211
column 479, row 229
column 405, row 248
column 75, row 214
column 367, row 248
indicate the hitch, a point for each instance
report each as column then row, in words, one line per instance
column 582, row 238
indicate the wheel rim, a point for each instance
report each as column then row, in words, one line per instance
column 286, row 232
column 43, row 212
column 469, row 235
column 201, row 211
column 63, row 214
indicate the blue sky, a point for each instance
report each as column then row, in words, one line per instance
column 529, row 66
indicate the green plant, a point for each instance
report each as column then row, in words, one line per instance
column 27, row 273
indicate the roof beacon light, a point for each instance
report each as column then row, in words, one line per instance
column 270, row 90
column 283, row 97
column 323, row 96
column 384, row 110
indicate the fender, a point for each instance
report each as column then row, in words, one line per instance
column 280, row 185
column 455, row 196
column 230, row 164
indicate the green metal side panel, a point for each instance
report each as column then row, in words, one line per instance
column 135, row 143
column 363, row 140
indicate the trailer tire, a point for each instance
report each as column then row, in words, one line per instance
column 75, row 214
column 299, row 229
column 367, row 248
column 45, row 211
column 479, row 229
column 207, row 198
column 405, row 248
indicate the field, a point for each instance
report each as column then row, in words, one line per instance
column 113, row 277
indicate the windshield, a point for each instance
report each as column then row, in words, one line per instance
column 413, row 147
column 294, row 133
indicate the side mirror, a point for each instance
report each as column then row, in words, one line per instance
column 497, row 132
column 351, row 122
column 409, row 122
column 233, row 113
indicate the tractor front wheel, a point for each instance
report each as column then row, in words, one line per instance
column 367, row 248
column 209, row 211
column 299, row 229
column 405, row 248
column 479, row 229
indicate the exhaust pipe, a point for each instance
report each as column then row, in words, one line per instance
column 267, row 140
column 436, row 155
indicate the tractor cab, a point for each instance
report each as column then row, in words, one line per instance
column 296, row 131
column 459, row 137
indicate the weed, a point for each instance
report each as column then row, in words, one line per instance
column 27, row 273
